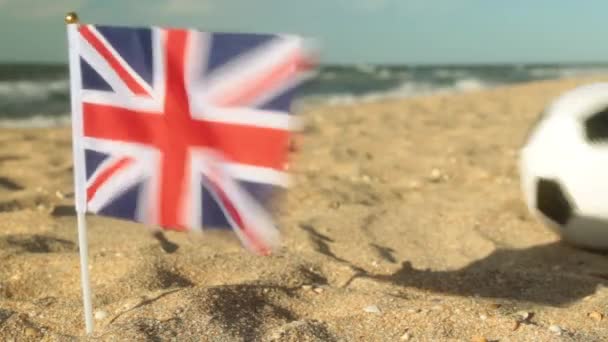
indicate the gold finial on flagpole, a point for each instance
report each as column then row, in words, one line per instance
column 71, row 18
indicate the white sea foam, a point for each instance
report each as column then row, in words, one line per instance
column 463, row 82
column 451, row 73
column 563, row 72
column 406, row 90
column 32, row 90
column 383, row 74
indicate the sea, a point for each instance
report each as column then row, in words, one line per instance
column 38, row 95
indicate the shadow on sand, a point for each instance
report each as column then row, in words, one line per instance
column 553, row 274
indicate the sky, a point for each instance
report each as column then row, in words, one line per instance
column 348, row 31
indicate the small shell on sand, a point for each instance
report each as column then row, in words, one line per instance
column 596, row 316
column 556, row 329
column 524, row 315
column 100, row 314
column 435, row 176
column 372, row 309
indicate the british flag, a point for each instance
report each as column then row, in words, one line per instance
column 184, row 129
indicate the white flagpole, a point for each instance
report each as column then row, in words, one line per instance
column 71, row 19
column 84, row 272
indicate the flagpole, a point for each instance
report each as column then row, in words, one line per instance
column 71, row 20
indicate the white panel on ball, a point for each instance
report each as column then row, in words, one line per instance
column 564, row 173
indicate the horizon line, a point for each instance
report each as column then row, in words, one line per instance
column 374, row 64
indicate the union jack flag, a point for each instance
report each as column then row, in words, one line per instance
column 183, row 129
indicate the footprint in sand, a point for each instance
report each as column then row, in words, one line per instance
column 8, row 184
column 11, row 205
column 35, row 243
column 10, row 157
column 63, row 211
column 4, row 315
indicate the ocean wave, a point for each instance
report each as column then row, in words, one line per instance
column 33, row 90
column 383, row 74
column 451, row 73
column 561, row 72
column 41, row 97
column 328, row 75
column 21, row 98
column 408, row 89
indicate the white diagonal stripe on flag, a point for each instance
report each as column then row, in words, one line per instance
column 120, row 60
column 222, row 81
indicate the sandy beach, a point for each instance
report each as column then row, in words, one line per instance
column 405, row 223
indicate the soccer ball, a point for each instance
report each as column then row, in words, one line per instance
column 564, row 166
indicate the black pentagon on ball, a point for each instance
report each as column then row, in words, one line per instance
column 596, row 127
column 553, row 202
